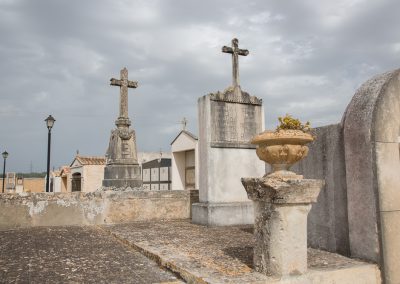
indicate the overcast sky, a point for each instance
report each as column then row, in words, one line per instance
column 306, row 58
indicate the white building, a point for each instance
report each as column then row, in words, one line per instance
column 185, row 161
column 87, row 173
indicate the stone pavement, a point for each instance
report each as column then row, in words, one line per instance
column 73, row 255
column 117, row 254
column 202, row 254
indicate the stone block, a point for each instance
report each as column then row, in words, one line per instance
column 223, row 214
column 225, row 167
column 390, row 227
column 281, row 206
column 227, row 122
column 386, row 110
column 328, row 226
column 281, row 239
column 122, row 176
column 94, row 208
column 388, row 178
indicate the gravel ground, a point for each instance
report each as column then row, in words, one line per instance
column 73, row 255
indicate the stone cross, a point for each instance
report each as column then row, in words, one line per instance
column 184, row 123
column 235, row 51
column 124, row 84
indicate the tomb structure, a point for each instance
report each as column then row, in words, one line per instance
column 185, row 168
column 122, row 168
column 227, row 122
column 358, row 210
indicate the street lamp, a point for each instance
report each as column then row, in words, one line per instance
column 5, row 155
column 49, row 123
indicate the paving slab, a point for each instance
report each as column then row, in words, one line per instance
column 201, row 254
column 73, row 255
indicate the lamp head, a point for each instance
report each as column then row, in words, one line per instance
column 5, row 154
column 49, row 121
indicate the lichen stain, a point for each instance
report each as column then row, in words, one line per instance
column 37, row 208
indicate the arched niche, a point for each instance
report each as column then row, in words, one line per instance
column 371, row 140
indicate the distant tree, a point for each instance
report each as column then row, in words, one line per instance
column 32, row 175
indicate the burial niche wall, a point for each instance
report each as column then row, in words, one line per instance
column 371, row 130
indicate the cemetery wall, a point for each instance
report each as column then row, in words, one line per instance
column 93, row 208
column 328, row 226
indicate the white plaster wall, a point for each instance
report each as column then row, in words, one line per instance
column 178, row 170
column 197, row 172
column 183, row 143
column 92, row 177
column 190, row 158
column 146, row 174
column 154, row 174
column 226, row 167
column 149, row 156
column 220, row 169
column 204, row 137
column 164, row 173
column 57, row 184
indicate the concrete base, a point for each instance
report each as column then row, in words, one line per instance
column 223, row 214
column 122, row 176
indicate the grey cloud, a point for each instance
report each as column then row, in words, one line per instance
column 58, row 56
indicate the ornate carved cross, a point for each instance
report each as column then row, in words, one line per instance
column 235, row 51
column 124, row 84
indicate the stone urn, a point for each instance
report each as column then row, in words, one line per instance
column 281, row 149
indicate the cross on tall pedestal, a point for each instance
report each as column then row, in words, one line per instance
column 235, row 51
column 124, row 84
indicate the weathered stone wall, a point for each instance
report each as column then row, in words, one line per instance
column 371, row 139
column 104, row 207
column 328, row 226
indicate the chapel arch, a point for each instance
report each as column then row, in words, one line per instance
column 371, row 138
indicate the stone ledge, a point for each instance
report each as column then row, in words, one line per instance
column 278, row 190
column 223, row 214
column 92, row 208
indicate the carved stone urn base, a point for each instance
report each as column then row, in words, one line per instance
column 283, row 174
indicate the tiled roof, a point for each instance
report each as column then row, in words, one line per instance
column 91, row 160
column 65, row 170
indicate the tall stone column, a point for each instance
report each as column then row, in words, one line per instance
column 281, row 206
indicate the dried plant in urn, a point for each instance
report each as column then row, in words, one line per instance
column 284, row 146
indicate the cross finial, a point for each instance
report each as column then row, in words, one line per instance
column 184, row 123
column 124, row 84
column 160, row 156
column 235, row 51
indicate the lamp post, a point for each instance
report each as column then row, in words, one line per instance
column 5, row 155
column 49, row 123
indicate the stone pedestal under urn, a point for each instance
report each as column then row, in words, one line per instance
column 282, row 200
